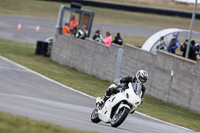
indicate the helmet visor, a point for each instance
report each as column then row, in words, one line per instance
column 142, row 79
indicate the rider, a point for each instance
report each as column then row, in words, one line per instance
column 140, row 77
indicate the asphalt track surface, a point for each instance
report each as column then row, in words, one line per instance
column 28, row 34
column 26, row 93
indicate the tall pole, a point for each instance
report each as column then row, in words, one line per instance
column 60, row 20
column 191, row 28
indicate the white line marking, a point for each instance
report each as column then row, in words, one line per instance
column 2, row 68
column 51, row 103
column 45, row 77
column 85, row 93
column 164, row 122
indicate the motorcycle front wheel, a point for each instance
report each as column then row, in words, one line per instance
column 95, row 116
column 119, row 117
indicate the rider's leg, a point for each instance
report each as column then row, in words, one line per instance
column 110, row 91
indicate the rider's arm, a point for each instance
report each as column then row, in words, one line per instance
column 143, row 91
column 126, row 79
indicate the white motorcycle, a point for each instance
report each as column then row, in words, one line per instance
column 118, row 106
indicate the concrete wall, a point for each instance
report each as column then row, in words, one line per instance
column 182, row 88
column 86, row 56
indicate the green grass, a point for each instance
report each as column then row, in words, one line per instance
column 136, row 41
column 170, row 113
column 93, row 86
column 16, row 124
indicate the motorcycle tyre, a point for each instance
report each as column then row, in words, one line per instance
column 121, row 119
column 96, row 118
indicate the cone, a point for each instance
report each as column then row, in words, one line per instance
column 19, row 26
column 37, row 28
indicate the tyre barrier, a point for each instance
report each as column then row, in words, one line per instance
column 42, row 48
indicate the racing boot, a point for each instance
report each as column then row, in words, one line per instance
column 104, row 99
column 110, row 91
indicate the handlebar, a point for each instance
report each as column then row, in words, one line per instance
column 121, row 86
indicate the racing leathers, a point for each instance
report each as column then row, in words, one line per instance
column 113, row 90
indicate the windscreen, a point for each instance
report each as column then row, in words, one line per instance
column 136, row 88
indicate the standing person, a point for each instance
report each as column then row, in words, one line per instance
column 74, row 32
column 73, row 24
column 173, row 45
column 82, row 33
column 197, row 47
column 118, row 40
column 97, row 36
column 140, row 77
column 184, row 47
column 107, row 41
column 198, row 51
column 162, row 45
column 198, row 57
column 65, row 29
column 193, row 51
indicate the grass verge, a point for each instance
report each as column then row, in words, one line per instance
column 16, row 124
column 93, row 86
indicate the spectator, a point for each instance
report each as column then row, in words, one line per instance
column 75, row 32
column 193, row 51
column 73, row 24
column 97, row 36
column 118, row 40
column 65, row 29
column 197, row 47
column 184, row 47
column 173, row 45
column 162, row 45
column 198, row 51
column 198, row 57
column 107, row 41
column 82, row 33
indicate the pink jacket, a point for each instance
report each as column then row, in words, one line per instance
column 107, row 41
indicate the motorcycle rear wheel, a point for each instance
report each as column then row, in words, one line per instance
column 95, row 116
column 119, row 118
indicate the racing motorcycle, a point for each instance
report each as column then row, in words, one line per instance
column 118, row 106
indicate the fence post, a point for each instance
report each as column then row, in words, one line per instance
column 60, row 19
column 118, row 63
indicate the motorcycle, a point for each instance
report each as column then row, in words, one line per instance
column 118, row 106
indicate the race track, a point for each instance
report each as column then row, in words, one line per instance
column 27, row 93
